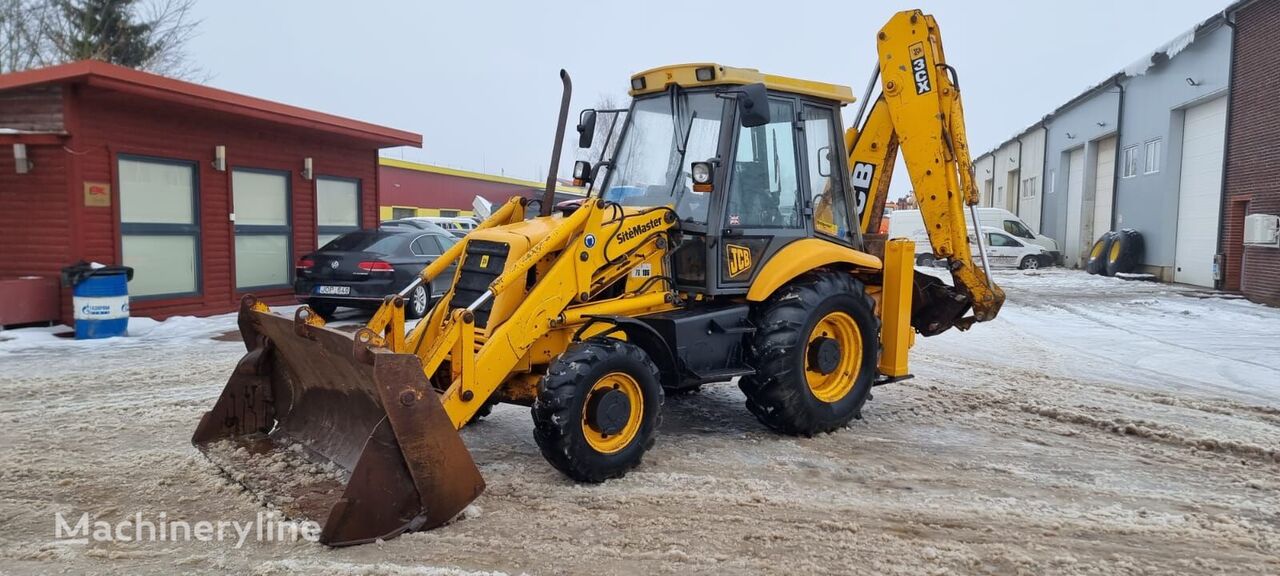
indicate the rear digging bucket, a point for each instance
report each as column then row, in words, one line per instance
column 336, row 431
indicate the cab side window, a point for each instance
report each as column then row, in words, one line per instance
column 764, row 191
column 826, row 189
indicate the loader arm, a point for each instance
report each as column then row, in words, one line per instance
column 919, row 112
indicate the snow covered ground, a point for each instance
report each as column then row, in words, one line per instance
column 1098, row 426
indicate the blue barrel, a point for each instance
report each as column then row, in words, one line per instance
column 101, row 302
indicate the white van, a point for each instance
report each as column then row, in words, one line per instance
column 909, row 224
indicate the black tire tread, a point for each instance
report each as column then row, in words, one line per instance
column 1098, row 264
column 1131, row 251
column 557, row 416
column 779, row 322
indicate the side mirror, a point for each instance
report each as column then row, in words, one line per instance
column 753, row 105
column 586, row 128
column 824, row 161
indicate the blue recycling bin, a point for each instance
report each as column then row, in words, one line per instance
column 100, row 300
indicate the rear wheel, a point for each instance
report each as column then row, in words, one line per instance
column 815, row 349
column 1097, row 262
column 418, row 302
column 1125, row 252
column 598, row 409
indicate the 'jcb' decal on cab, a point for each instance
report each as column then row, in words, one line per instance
column 739, row 259
column 863, row 174
column 919, row 69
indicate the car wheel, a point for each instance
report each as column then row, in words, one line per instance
column 1029, row 263
column 418, row 303
column 323, row 309
column 925, row 260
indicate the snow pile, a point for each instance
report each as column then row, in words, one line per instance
column 1169, row 49
column 174, row 330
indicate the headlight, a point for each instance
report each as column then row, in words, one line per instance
column 581, row 172
column 702, row 175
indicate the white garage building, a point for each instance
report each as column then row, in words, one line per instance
column 1143, row 149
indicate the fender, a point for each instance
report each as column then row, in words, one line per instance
column 802, row 256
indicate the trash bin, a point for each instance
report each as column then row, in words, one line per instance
column 99, row 299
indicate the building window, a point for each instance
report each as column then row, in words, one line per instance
column 449, row 213
column 1030, row 187
column 1129, row 162
column 159, row 225
column 398, row 213
column 1153, row 157
column 337, row 208
column 260, row 201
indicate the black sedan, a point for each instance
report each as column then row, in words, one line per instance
column 359, row 269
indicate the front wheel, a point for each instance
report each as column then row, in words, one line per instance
column 816, row 345
column 598, row 409
column 1029, row 263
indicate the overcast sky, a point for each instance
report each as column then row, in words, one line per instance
column 479, row 79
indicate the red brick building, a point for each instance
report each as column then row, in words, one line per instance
column 207, row 194
column 1253, row 150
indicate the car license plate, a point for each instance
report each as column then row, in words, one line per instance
column 333, row 290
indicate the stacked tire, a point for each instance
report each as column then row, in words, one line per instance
column 1115, row 253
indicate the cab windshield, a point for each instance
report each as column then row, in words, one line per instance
column 665, row 134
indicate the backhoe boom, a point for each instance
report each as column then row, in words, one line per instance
column 919, row 112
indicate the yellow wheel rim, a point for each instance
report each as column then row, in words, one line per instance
column 836, row 384
column 1115, row 252
column 612, row 443
column 1097, row 250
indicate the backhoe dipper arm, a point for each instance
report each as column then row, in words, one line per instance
column 919, row 111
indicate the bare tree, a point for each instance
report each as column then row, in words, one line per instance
column 149, row 35
column 22, row 41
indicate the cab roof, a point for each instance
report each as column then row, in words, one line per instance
column 686, row 76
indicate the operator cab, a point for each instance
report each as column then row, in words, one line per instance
column 749, row 162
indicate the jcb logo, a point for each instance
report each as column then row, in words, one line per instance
column 919, row 69
column 863, row 175
column 739, row 258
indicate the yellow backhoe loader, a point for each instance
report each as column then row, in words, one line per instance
column 724, row 235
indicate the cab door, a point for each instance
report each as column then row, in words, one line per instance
column 825, row 195
column 764, row 208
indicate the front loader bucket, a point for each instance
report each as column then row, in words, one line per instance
column 334, row 430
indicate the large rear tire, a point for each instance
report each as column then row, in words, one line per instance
column 1097, row 261
column 1125, row 252
column 815, row 349
column 598, row 409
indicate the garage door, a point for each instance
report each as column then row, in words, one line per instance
column 1200, row 192
column 1075, row 200
column 1103, row 186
